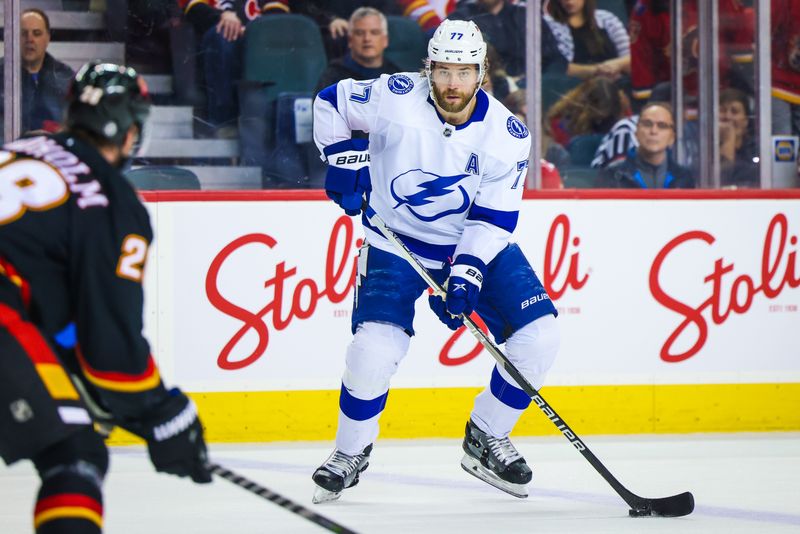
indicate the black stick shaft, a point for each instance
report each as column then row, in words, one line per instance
column 280, row 500
column 634, row 501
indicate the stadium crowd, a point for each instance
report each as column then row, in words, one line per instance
column 248, row 69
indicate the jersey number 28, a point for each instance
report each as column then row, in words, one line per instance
column 28, row 184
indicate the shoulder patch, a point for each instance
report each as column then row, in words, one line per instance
column 400, row 84
column 516, row 128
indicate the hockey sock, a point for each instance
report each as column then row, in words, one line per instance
column 70, row 499
column 68, row 503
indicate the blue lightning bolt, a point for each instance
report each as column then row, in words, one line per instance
column 431, row 189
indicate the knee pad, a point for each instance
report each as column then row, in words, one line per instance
column 373, row 357
column 533, row 349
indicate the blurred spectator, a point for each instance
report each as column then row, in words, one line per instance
column 497, row 81
column 737, row 146
column 517, row 103
column 332, row 17
column 368, row 37
column 593, row 107
column 616, row 144
column 786, row 67
column 503, row 26
column 593, row 41
column 221, row 27
column 428, row 13
column 650, row 165
column 44, row 79
column 650, row 34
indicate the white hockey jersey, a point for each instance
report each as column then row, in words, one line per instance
column 445, row 190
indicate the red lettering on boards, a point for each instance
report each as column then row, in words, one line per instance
column 743, row 288
column 306, row 289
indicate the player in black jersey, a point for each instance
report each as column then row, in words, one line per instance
column 73, row 243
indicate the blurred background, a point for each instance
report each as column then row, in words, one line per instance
column 611, row 88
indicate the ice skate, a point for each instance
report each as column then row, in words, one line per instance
column 495, row 461
column 339, row 472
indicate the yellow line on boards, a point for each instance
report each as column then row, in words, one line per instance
column 442, row 412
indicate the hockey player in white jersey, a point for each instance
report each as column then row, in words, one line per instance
column 444, row 167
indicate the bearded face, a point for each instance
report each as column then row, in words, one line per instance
column 452, row 100
column 454, row 85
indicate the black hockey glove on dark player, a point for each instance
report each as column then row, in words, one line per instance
column 174, row 438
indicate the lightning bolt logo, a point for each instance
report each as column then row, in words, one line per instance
column 428, row 191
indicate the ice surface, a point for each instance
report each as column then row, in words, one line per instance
column 741, row 483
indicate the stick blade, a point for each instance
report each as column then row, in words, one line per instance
column 675, row 506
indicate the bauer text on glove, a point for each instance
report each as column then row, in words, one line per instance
column 174, row 438
column 347, row 178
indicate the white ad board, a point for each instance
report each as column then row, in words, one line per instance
column 257, row 295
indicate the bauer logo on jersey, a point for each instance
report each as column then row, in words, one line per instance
column 428, row 196
column 516, row 128
column 400, row 84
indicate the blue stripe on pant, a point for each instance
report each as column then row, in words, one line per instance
column 359, row 409
column 508, row 394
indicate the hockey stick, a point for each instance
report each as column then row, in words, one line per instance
column 280, row 500
column 674, row 506
column 104, row 418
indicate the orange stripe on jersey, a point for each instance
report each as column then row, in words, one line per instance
column 414, row 5
column 125, row 382
column 275, row 5
column 192, row 3
column 8, row 270
column 425, row 17
column 56, row 381
column 788, row 96
column 50, row 370
column 68, row 506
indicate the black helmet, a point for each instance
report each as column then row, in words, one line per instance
column 107, row 99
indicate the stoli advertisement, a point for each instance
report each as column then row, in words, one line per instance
column 255, row 295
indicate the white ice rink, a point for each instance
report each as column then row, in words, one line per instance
column 741, row 483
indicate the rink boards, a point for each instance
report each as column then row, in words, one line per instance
column 678, row 313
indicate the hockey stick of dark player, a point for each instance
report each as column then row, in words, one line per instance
column 674, row 506
column 106, row 420
column 280, row 500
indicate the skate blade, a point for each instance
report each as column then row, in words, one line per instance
column 474, row 468
column 321, row 495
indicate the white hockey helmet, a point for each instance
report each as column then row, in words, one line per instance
column 457, row 41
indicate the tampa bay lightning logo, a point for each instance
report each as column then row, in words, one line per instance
column 400, row 84
column 516, row 128
column 428, row 196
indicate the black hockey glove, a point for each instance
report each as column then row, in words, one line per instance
column 175, row 438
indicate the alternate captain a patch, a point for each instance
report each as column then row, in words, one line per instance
column 516, row 128
column 400, row 84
